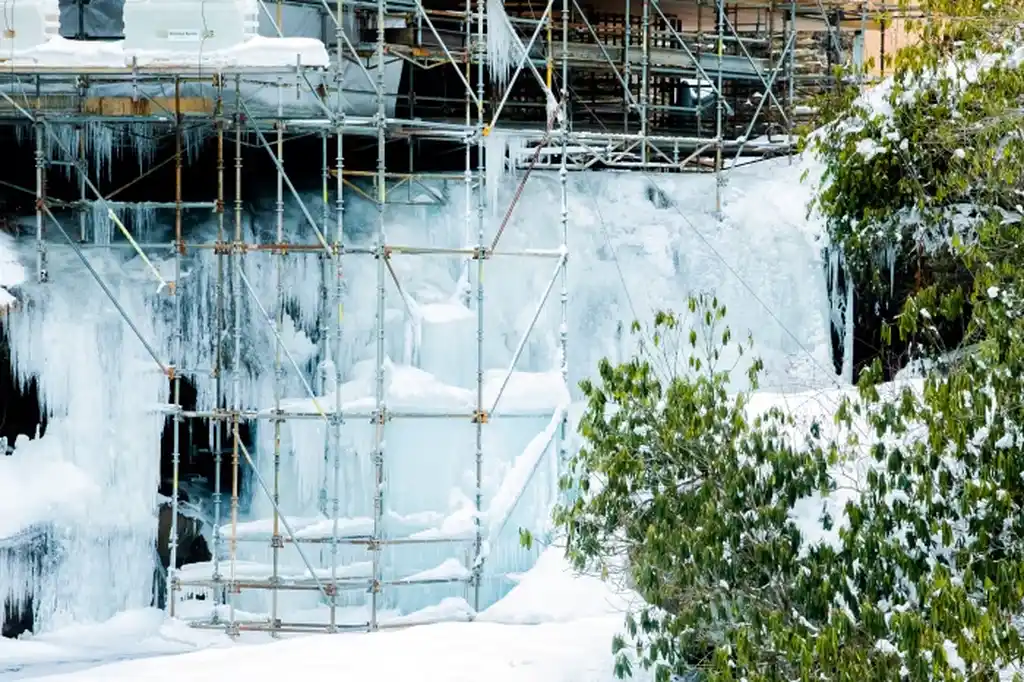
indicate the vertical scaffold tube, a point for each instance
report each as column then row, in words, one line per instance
column 468, row 172
column 699, row 96
column 563, row 178
column 40, row 134
column 481, row 417
column 277, row 541
column 627, row 71
column 719, row 104
column 324, row 316
column 218, row 360
column 644, row 75
column 791, row 104
column 237, row 252
column 179, row 248
column 339, row 213
column 381, row 417
column 83, row 168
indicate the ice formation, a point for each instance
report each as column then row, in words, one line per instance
column 104, row 437
column 502, row 51
column 12, row 272
column 840, row 293
column 630, row 255
column 503, row 155
column 98, row 145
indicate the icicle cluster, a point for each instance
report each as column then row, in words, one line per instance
column 840, row 296
column 503, row 153
column 502, row 50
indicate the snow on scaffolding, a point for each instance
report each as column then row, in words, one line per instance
column 422, row 526
column 449, row 570
column 256, row 570
column 256, row 52
column 407, row 387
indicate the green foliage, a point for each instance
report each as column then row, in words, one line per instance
column 678, row 478
column 693, row 501
column 934, row 153
column 699, row 503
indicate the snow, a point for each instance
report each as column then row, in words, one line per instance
column 257, row 51
column 30, row 475
column 551, row 592
column 554, row 626
column 143, row 633
column 449, row 569
column 518, row 478
column 850, row 474
column 579, row 651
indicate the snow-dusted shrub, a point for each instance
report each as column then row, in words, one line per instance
column 914, row 569
column 888, row 545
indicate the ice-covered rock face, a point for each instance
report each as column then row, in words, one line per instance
column 632, row 250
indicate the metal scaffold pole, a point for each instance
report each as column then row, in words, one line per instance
column 217, row 425
column 719, row 104
column 791, row 103
column 481, row 416
column 339, row 237
column 381, row 416
column 645, row 60
column 323, row 314
column 237, row 253
column 276, row 540
column 40, row 158
column 468, row 159
column 83, row 169
column 178, row 354
column 563, row 179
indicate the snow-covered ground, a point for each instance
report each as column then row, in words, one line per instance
column 554, row 626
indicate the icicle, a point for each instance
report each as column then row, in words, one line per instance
column 848, row 335
column 102, row 225
column 515, row 146
column 501, row 47
column 62, row 145
column 143, row 218
column 502, row 155
column 145, row 142
column 100, row 145
column 328, row 382
column 194, row 137
column 840, row 298
column 494, row 158
column 101, row 390
column 890, row 260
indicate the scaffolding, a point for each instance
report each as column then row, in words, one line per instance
column 629, row 87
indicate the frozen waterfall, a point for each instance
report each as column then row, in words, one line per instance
column 90, row 483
